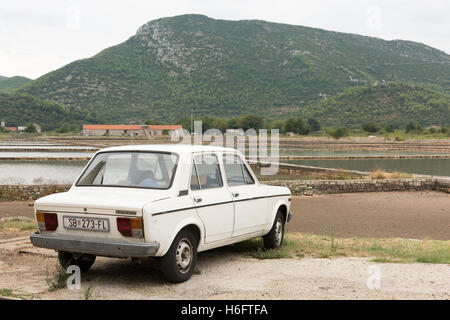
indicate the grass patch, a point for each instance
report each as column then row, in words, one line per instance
column 197, row 271
column 16, row 224
column 382, row 250
column 88, row 292
column 4, row 292
column 58, row 279
column 381, row 174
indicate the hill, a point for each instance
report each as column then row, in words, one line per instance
column 393, row 103
column 20, row 109
column 8, row 85
column 226, row 68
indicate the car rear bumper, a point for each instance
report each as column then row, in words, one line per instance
column 95, row 246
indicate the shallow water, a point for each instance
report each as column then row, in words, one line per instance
column 438, row 167
column 17, row 154
column 40, row 172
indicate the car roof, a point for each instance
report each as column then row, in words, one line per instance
column 175, row 148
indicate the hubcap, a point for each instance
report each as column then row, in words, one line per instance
column 184, row 255
column 278, row 232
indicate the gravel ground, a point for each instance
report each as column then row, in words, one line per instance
column 225, row 275
column 228, row 275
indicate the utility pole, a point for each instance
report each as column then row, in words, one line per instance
column 192, row 120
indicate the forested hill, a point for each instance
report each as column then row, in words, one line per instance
column 20, row 109
column 392, row 103
column 8, row 85
column 227, row 68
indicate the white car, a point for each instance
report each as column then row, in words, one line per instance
column 166, row 201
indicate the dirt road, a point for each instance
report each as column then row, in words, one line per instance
column 412, row 215
column 416, row 215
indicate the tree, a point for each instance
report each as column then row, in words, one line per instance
column 370, row 127
column 389, row 127
column 411, row 126
column 314, row 124
column 30, row 128
column 251, row 122
column 338, row 132
column 297, row 125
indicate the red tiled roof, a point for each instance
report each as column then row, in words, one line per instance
column 165, row 127
column 11, row 128
column 111, row 127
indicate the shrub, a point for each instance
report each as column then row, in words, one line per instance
column 370, row 127
column 338, row 132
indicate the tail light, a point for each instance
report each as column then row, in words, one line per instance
column 130, row 227
column 47, row 221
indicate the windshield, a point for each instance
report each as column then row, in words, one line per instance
column 153, row 170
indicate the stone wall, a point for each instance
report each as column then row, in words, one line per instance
column 297, row 187
column 28, row 192
column 310, row 187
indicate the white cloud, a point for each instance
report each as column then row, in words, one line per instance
column 39, row 36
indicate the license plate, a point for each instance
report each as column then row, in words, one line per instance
column 89, row 224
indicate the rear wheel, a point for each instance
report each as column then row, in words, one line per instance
column 84, row 261
column 274, row 239
column 179, row 262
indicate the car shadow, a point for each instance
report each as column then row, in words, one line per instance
column 110, row 270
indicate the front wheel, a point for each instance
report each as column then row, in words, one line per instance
column 84, row 261
column 179, row 262
column 274, row 239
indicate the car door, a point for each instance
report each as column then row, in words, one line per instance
column 250, row 206
column 212, row 200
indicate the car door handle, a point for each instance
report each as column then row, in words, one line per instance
column 235, row 194
column 197, row 199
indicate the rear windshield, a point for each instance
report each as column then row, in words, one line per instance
column 153, row 170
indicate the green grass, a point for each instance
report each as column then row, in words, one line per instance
column 197, row 271
column 57, row 279
column 17, row 224
column 4, row 292
column 88, row 292
column 381, row 250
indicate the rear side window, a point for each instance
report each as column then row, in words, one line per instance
column 236, row 171
column 205, row 173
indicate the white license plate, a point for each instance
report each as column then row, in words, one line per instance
column 84, row 223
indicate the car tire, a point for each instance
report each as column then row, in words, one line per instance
column 274, row 239
column 84, row 261
column 178, row 264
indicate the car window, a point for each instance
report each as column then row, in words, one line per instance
column 130, row 169
column 194, row 179
column 235, row 171
column 247, row 176
column 207, row 170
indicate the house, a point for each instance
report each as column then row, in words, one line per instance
column 158, row 129
column 127, row 130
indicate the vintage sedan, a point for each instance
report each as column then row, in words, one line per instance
column 163, row 201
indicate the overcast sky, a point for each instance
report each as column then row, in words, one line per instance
column 37, row 37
